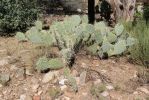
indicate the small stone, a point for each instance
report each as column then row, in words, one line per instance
column 103, row 71
column 29, row 72
column 84, row 94
column 82, row 78
column 105, row 93
column 1, row 85
column 20, row 73
column 146, row 91
column 64, row 98
column 36, row 97
column 109, row 87
column 62, row 81
column 35, row 87
column 49, row 76
column 40, row 92
column 4, row 78
column 13, row 68
column 135, row 92
column 64, row 87
column 84, row 65
column 96, row 82
column 22, row 97
column 3, row 62
column 3, row 52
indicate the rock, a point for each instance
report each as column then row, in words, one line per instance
column 105, row 94
column 97, row 82
column 65, row 98
column 135, row 93
column 82, row 78
column 1, row 85
column 63, row 88
column 144, row 90
column 84, row 65
column 49, row 76
column 40, row 92
column 62, row 81
column 20, row 73
column 29, row 71
column 109, row 87
column 13, row 68
column 103, row 71
column 36, row 97
column 22, row 97
column 13, row 60
column 4, row 78
column 35, row 87
column 54, row 92
column 3, row 52
column 3, row 62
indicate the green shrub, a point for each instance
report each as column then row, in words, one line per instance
column 17, row 15
column 73, row 34
column 140, row 51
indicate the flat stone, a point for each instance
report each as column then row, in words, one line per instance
column 29, row 72
column 4, row 78
column 49, row 76
column 3, row 62
column 109, row 87
column 22, row 97
column 144, row 90
column 35, row 87
column 20, row 73
column 62, row 81
column 82, row 78
column 105, row 93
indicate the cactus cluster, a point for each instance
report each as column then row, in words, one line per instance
column 74, row 33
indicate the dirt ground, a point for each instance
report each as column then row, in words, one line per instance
column 117, row 74
column 112, row 79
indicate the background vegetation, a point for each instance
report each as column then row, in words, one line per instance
column 17, row 15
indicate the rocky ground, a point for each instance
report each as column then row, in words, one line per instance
column 112, row 79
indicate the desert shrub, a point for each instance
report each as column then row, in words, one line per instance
column 17, row 14
column 73, row 34
column 140, row 51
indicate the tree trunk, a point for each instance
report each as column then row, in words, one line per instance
column 91, row 11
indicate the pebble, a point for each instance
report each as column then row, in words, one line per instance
column 103, row 71
column 3, row 62
column 20, row 73
column 62, row 81
column 35, row 87
column 36, row 97
column 4, row 78
column 109, row 87
column 82, row 78
column 146, row 91
column 40, row 92
column 29, row 72
column 22, row 97
column 64, row 87
column 105, row 93
column 49, row 76
column 1, row 85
